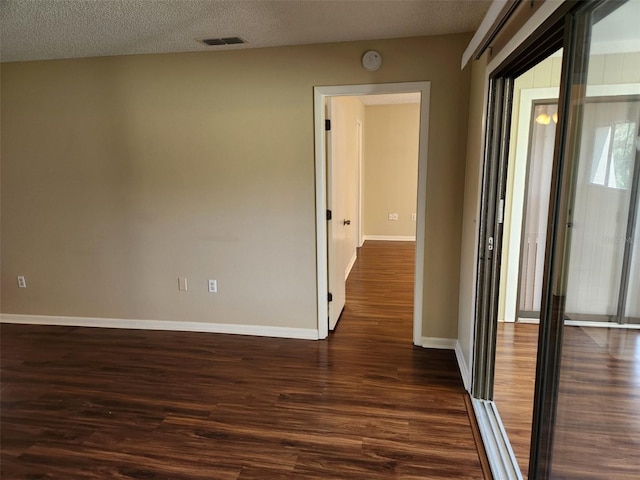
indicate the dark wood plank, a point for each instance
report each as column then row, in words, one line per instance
column 366, row 404
column 598, row 417
column 514, row 386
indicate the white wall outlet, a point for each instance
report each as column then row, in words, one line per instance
column 393, row 216
column 413, row 217
column 22, row 282
column 182, row 284
column 213, row 286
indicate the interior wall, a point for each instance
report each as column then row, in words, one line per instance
column 121, row 174
column 391, row 169
column 468, row 255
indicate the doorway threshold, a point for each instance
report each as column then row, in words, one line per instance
column 502, row 460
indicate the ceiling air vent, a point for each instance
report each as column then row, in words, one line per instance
column 223, row 41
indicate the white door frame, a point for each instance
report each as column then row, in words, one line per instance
column 360, row 142
column 319, row 96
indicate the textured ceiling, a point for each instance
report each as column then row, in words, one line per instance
column 47, row 29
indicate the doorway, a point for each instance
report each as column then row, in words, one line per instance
column 370, row 198
column 324, row 219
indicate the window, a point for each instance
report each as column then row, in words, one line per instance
column 613, row 155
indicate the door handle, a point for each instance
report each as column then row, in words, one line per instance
column 346, row 222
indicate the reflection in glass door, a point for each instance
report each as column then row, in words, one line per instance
column 604, row 213
column 536, row 208
column 587, row 420
column 604, row 269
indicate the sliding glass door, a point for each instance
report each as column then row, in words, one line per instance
column 586, row 418
column 580, row 262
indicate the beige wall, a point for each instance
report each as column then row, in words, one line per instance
column 120, row 174
column 470, row 219
column 391, row 168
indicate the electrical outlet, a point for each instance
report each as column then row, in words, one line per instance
column 182, row 284
column 22, row 282
column 213, row 286
column 413, row 217
column 393, row 216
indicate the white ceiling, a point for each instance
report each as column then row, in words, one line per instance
column 48, row 29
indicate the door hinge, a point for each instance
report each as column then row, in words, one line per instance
column 330, row 297
column 327, row 124
column 328, row 215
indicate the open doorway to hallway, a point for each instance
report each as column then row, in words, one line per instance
column 372, row 163
column 333, row 264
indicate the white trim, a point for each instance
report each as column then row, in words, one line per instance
column 319, row 96
column 613, row 90
column 462, row 366
column 129, row 323
column 527, row 320
column 439, row 343
column 322, row 260
column 585, row 323
column 494, row 17
column 350, row 266
column 360, row 140
column 500, row 455
column 391, row 238
column 545, row 10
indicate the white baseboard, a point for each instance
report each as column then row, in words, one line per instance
column 256, row 330
column 391, row 238
column 529, row 320
column 586, row 323
column 464, row 369
column 350, row 266
column 439, row 343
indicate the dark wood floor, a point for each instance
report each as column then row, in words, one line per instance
column 598, row 418
column 366, row 404
column 516, row 353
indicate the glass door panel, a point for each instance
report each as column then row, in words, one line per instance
column 534, row 228
column 596, row 418
column 601, row 208
column 632, row 310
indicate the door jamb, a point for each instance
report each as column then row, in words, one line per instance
column 319, row 94
column 360, row 140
